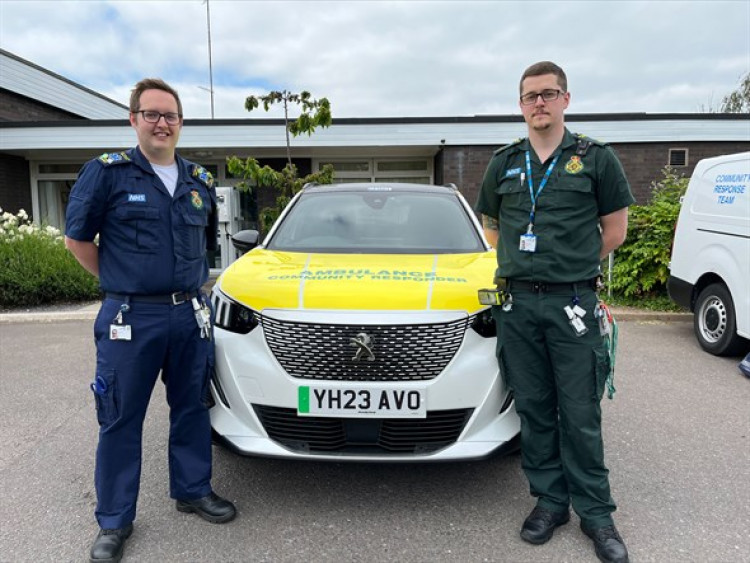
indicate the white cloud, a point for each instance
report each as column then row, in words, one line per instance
column 417, row 58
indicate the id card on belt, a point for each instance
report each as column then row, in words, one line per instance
column 119, row 332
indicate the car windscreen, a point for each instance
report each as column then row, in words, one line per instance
column 377, row 222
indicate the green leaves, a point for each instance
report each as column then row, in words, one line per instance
column 314, row 114
column 36, row 268
column 642, row 262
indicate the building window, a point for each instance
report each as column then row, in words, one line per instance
column 412, row 170
column 678, row 157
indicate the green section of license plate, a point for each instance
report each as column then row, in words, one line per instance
column 361, row 401
column 304, row 400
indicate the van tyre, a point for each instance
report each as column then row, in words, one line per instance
column 714, row 322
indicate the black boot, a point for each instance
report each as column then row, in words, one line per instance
column 608, row 544
column 211, row 507
column 109, row 545
column 541, row 523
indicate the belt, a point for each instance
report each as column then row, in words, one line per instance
column 547, row 287
column 176, row 298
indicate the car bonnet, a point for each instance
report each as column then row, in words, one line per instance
column 271, row 279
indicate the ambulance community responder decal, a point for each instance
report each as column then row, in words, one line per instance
column 390, row 275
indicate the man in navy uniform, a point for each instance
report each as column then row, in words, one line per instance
column 554, row 205
column 155, row 215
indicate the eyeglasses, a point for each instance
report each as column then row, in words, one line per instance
column 150, row 116
column 547, row 96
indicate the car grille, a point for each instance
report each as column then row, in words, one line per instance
column 401, row 352
column 384, row 436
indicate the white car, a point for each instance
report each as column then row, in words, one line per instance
column 354, row 332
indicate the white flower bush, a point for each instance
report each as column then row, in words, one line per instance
column 16, row 227
column 35, row 266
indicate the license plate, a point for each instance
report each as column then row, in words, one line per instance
column 361, row 402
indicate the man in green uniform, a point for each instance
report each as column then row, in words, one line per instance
column 554, row 205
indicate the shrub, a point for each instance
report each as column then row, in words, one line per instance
column 35, row 266
column 641, row 263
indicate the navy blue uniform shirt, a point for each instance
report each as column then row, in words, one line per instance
column 150, row 243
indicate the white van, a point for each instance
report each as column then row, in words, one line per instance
column 710, row 266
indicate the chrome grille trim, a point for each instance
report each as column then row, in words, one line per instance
column 320, row 351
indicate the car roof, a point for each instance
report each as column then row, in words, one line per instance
column 379, row 187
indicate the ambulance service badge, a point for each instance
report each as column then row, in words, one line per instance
column 196, row 200
column 574, row 165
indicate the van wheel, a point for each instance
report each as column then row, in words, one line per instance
column 714, row 321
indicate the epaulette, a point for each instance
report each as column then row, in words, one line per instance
column 583, row 143
column 113, row 158
column 509, row 145
column 203, row 175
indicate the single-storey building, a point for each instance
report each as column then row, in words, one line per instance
column 50, row 126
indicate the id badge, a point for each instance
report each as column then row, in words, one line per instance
column 527, row 243
column 119, row 332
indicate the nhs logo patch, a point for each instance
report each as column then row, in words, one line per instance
column 137, row 197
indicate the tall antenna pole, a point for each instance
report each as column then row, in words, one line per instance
column 210, row 62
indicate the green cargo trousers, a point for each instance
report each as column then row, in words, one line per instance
column 557, row 379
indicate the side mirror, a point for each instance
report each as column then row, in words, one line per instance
column 245, row 241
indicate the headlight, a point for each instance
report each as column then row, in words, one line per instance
column 232, row 316
column 483, row 324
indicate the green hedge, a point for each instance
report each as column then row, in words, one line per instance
column 641, row 263
column 36, row 268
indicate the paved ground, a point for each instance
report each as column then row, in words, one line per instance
column 678, row 446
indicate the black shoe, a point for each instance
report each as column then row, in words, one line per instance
column 608, row 544
column 541, row 523
column 109, row 545
column 211, row 507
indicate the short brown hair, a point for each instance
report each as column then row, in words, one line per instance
column 545, row 67
column 151, row 84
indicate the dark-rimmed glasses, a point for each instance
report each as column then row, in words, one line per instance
column 150, row 116
column 547, row 96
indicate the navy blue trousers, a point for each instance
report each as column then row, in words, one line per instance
column 166, row 339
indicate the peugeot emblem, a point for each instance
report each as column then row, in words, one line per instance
column 363, row 343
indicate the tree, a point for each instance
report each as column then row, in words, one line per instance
column 739, row 100
column 315, row 113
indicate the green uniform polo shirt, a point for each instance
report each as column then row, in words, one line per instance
column 580, row 189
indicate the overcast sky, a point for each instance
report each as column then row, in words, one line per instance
column 408, row 58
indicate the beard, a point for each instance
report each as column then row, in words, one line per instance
column 542, row 124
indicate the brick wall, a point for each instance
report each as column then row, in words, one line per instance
column 465, row 166
column 14, row 107
column 14, row 184
column 643, row 163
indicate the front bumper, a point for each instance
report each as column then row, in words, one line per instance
column 470, row 414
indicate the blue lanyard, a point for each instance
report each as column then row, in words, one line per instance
column 534, row 196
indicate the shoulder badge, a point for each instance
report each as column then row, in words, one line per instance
column 114, row 158
column 203, row 175
column 509, row 145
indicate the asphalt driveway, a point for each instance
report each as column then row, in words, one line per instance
column 678, row 447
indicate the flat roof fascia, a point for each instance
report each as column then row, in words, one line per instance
column 267, row 133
